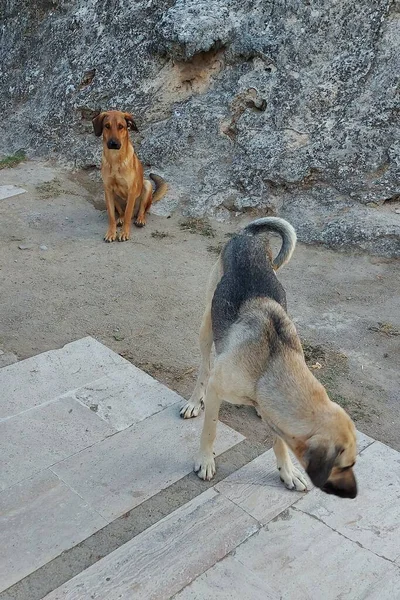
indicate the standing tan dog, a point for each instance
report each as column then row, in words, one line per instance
column 122, row 174
column 260, row 361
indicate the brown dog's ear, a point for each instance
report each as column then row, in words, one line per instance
column 320, row 458
column 98, row 124
column 130, row 122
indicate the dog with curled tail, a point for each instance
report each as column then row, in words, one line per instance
column 260, row 362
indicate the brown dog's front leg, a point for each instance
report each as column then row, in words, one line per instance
column 126, row 227
column 111, row 234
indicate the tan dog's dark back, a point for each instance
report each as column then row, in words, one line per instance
column 122, row 174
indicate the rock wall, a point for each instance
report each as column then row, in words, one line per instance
column 283, row 107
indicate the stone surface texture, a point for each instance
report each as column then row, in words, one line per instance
column 255, row 106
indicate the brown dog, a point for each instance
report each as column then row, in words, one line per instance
column 122, row 174
column 260, row 361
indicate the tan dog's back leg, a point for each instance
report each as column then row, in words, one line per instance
column 205, row 463
column 193, row 407
column 144, row 204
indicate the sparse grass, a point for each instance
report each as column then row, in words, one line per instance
column 13, row 160
column 313, row 353
column 385, row 328
column 49, row 189
column 356, row 409
column 200, row 226
column 215, row 249
column 160, row 235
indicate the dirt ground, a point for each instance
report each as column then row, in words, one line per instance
column 144, row 298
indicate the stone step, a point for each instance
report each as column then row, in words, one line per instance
column 85, row 437
column 297, row 546
column 45, row 377
column 163, row 559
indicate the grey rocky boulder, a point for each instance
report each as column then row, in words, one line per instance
column 253, row 106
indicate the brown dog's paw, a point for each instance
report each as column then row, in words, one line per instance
column 124, row 236
column 110, row 236
column 140, row 222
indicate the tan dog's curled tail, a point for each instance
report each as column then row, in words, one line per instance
column 285, row 230
column 161, row 187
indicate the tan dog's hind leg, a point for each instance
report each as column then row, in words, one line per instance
column 193, row 407
column 144, row 204
column 290, row 476
column 205, row 464
column 111, row 234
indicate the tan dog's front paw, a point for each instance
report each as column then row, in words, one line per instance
column 205, row 466
column 292, row 478
column 191, row 410
column 124, row 235
column 140, row 221
column 111, row 235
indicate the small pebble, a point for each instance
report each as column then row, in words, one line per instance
column 24, row 247
column 43, row 247
column 397, row 210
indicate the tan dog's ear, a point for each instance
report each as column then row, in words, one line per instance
column 130, row 122
column 320, row 458
column 98, row 124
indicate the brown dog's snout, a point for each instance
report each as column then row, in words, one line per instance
column 113, row 144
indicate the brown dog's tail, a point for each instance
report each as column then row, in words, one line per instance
column 161, row 187
column 285, row 230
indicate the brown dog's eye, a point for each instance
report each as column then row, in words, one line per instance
column 107, row 126
column 120, row 126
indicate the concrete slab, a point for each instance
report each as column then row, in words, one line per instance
column 373, row 519
column 38, row 438
column 363, row 441
column 229, row 580
column 122, row 399
column 257, row 489
column 8, row 191
column 166, row 557
column 39, row 519
column 126, row 469
column 44, row 377
column 304, row 559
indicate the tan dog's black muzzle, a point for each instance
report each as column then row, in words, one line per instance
column 113, row 144
column 344, row 486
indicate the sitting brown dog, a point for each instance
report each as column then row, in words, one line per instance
column 122, row 174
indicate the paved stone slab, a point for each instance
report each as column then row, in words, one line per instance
column 257, row 489
column 123, row 399
column 163, row 559
column 42, row 378
column 38, row 438
column 304, row 559
column 8, row 191
column 128, row 468
column 363, row 441
column 229, row 580
column 39, row 519
column 373, row 519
